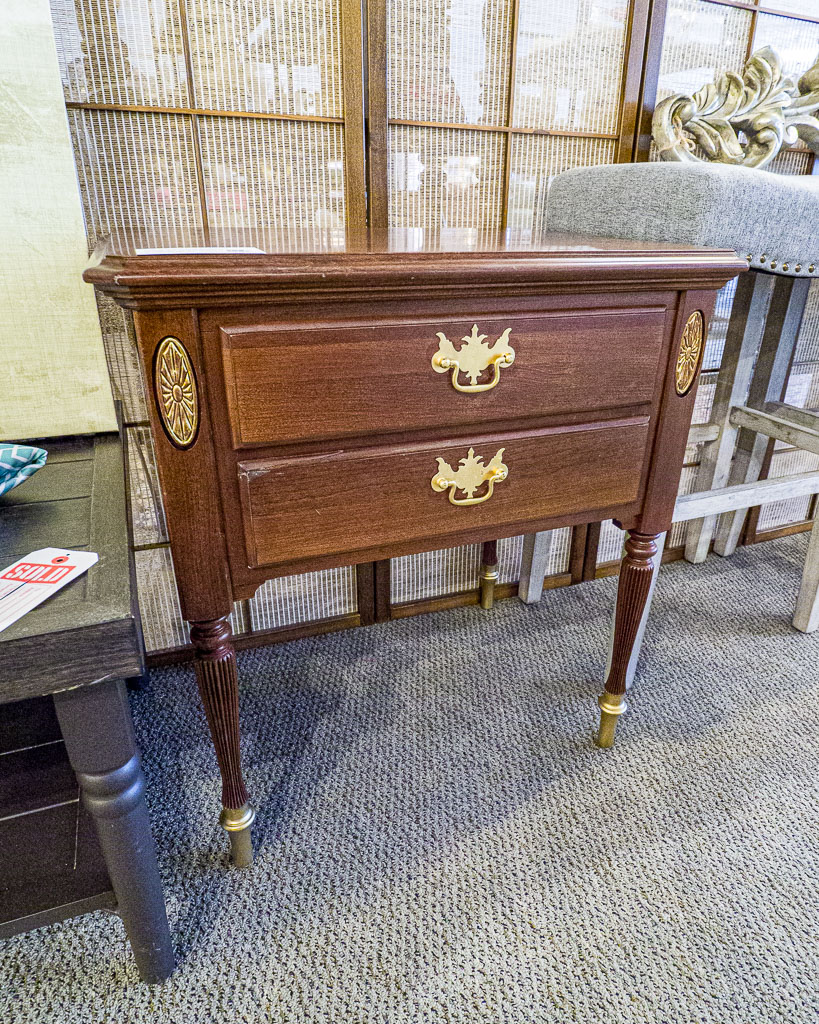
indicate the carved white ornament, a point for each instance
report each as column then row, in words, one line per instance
column 743, row 120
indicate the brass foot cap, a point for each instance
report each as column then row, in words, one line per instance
column 488, row 580
column 237, row 819
column 612, row 705
column 237, row 822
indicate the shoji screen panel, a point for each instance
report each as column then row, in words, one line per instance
column 535, row 160
column 138, row 171
column 701, row 39
column 569, row 65
column 257, row 55
column 486, row 101
column 189, row 120
column 283, row 181
column 446, row 187
column 455, row 570
column 121, row 53
column 449, row 61
column 796, row 41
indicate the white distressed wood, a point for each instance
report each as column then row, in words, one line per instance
column 801, row 417
column 806, row 616
column 745, row 331
column 534, row 564
column 703, row 433
column 769, row 383
column 638, row 641
column 776, row 427
column 713, row 503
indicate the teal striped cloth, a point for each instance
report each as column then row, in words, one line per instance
column 17, row 462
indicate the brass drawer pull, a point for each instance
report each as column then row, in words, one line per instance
column 469, row 476
column 473, row 358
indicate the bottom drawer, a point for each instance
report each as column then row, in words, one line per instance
column 360, row 502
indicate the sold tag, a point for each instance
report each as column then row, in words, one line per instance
column 30, row 580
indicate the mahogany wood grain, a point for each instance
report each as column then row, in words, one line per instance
column 636, row 571
column 218, row 688
column 285, row 383
column 571, row 265
column 674, row 420
column 192, row 508
column 346, row 504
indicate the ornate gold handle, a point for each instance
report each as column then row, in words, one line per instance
column 472, row 358
column 469, row 476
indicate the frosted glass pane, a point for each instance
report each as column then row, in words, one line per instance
column 701, row 39
column 569, row 64
column 283, row 178
column 256, row 55
column 126, row 52
column 445, row 188
column 449, row 60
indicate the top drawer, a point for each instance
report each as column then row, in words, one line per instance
column 290, row 383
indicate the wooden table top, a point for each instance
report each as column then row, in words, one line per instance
column 163, row 272
column 88, row 630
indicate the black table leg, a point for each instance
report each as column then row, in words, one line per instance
column 96, row 725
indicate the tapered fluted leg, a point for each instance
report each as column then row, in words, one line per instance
column 219, row 690
column 636, row 571
column 489, row 573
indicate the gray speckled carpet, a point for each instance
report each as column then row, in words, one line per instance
column 438, row 840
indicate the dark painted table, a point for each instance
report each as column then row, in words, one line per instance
column 76, row 650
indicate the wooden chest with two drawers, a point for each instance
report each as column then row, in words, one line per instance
column 312, row 411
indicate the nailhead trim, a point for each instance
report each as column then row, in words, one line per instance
column 797, row 267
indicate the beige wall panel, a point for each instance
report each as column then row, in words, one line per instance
column 52, row 362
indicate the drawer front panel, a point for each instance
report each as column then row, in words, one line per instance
column 286, row 385
column 347, row 502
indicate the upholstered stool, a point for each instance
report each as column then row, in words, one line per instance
column 773, row 221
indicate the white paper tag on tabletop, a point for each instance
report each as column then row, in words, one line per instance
column 30, row 580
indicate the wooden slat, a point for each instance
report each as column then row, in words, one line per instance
column 355, row 144
column 777, row 427
column 703, row 433
column 652, row 55
column 260, row 115
column 728, row 499
column 197, row 142
column 630, row 89
column 801, row 417
column 510, row 106
column 376, row 125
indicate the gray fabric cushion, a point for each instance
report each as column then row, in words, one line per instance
column 770, row 219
